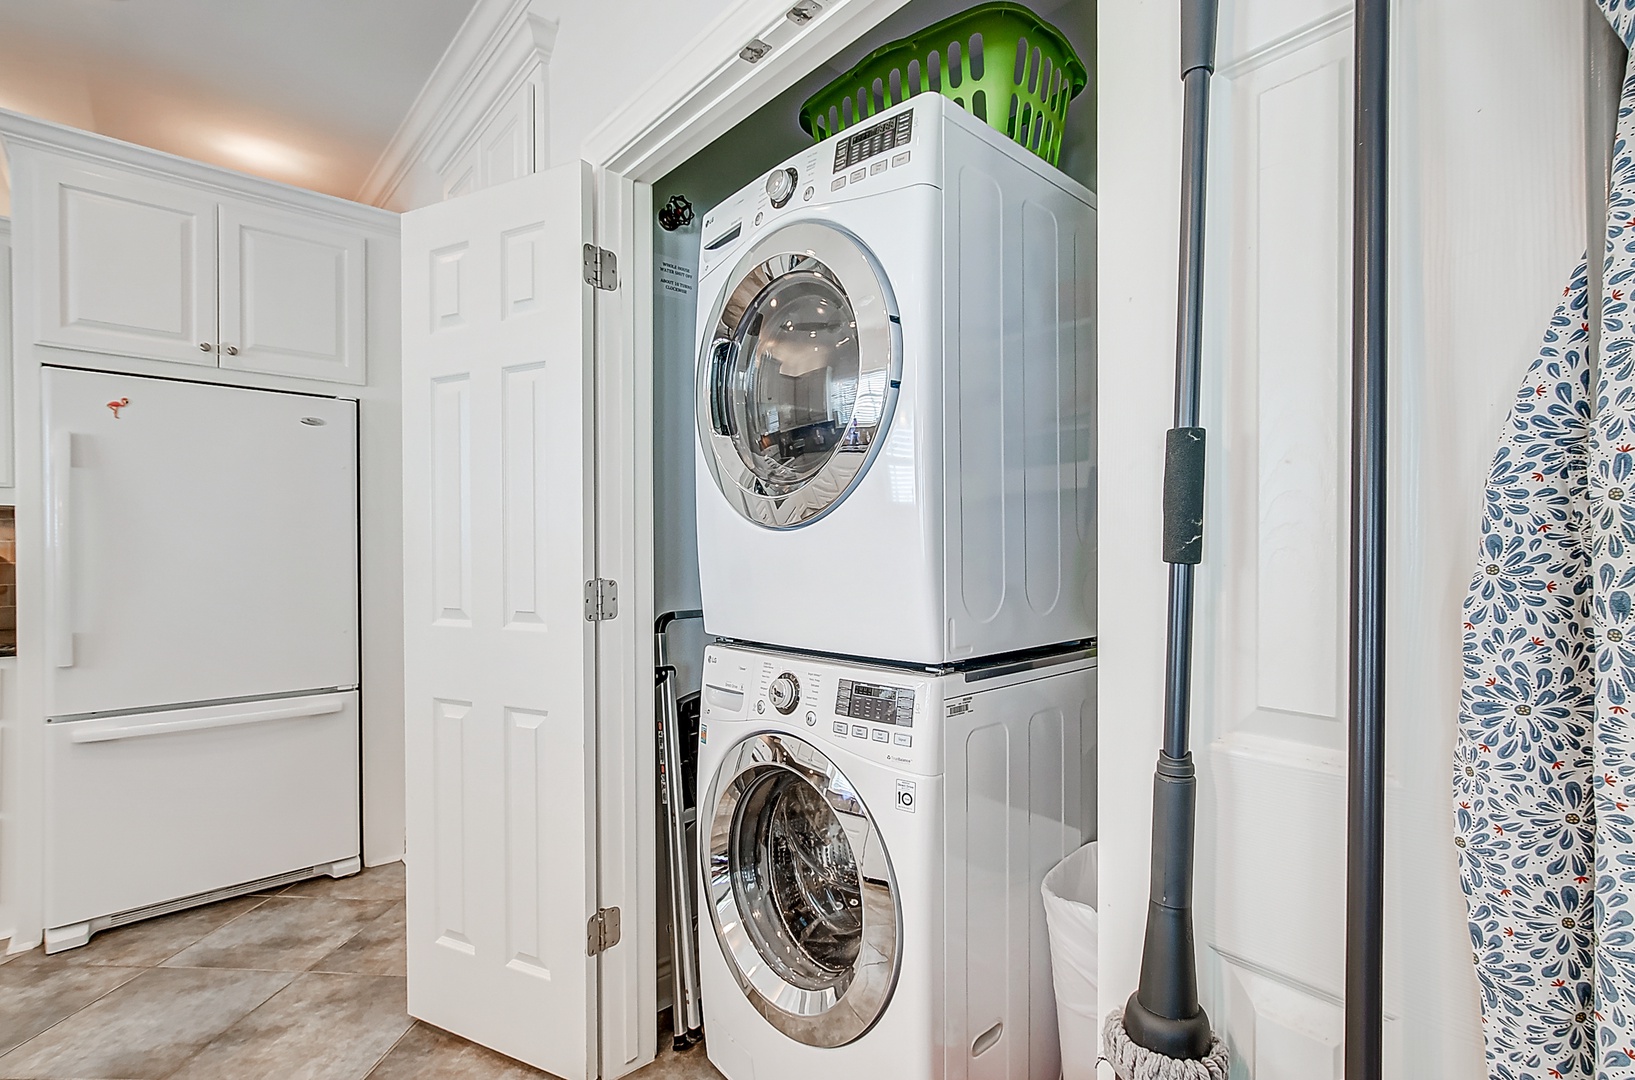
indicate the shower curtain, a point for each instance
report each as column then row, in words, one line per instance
column 1544, row 780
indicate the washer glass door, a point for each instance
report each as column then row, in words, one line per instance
column 801, row 891
column 796, row 376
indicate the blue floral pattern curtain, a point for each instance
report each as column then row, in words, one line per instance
column 1544, row 776
column 1612, row 491
column 1525, row 825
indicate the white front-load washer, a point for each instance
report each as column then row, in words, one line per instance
column 872, row 842
column 896, row 397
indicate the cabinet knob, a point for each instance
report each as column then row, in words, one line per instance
column 205, row 346
column 230, row 350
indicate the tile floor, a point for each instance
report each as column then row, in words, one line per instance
column 306, row 982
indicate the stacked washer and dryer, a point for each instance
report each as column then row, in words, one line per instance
column 897, row 551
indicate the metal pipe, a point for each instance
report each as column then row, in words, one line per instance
column 1190, row 290
column 1164, row 1015
column 1178, row 661
column 1365, row 824
column 687, row 1014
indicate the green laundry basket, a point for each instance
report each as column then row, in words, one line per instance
column 1000, row 62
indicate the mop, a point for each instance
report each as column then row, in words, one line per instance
column 1162, row 1032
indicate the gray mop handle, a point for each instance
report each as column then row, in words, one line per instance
column 1164, row 1016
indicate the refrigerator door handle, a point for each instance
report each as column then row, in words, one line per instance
column 139, row 727
column 59, row 467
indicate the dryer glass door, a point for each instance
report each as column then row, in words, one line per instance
column 796, row 380
column 801, row 892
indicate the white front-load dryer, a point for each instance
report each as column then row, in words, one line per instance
column 896, row 397
column 872, row 842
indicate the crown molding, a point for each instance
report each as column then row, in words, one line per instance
column 495, row 50
column 30, row 133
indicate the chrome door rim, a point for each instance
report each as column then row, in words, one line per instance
column 838, row 256
column 827, row 1017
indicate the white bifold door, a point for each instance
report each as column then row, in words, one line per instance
column 498, row 499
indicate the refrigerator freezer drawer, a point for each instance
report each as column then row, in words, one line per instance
column 149, row 807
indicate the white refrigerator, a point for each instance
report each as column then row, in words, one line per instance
column 202, row 644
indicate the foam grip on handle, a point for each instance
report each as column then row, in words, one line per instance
column 1184, row 495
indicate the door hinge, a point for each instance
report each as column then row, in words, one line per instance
column 601, row 599
column 602, row 932
column 601, row 268
column 803, row 12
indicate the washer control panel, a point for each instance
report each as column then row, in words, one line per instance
column 881, row 704
column 867, row 711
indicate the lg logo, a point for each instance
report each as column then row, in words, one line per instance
column 905, row 795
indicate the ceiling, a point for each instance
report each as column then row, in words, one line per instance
column 307, row 92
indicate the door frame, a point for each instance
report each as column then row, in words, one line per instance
column 707, row 90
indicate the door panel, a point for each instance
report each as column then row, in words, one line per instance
column 292, row 295
column 792, row 402
column 507, row 144
column 498, row 519
column 202, row 541
column 1271, row 669
column 125, row 265
column 1276, row 766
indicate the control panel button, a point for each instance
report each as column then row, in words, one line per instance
column 806, row 196
column 903, row 738
column 882, row 735
column 859, row 731
column 858, row 174
column 811, row 719
column 877, row 167
column 840, row 728
column 900, row 159
column 760, row 707
column 837, row 183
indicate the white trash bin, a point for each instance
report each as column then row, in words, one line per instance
column 1070, row 915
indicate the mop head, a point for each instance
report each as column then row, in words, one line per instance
column 1132, row 1062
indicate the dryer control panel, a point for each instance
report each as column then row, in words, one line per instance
column 897, row 148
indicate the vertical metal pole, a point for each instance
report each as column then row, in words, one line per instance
column 1188, row 380
column 1604, row 62
column 1365, row 848
column 1164, row 1015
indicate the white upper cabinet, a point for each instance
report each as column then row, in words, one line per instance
column 128, row 265
column 292, row 295
column 137, row 265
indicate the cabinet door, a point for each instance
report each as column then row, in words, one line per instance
column 125, row 264
column 292, row 295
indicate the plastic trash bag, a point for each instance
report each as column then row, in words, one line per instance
column 1070, row 916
